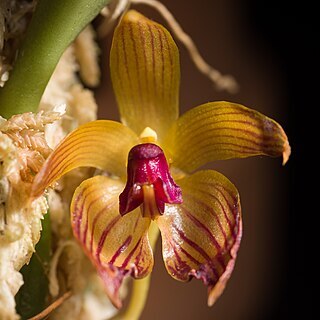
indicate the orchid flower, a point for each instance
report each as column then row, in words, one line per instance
column 149, row 164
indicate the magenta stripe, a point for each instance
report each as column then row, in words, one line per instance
column 198, row 248
column 96, row 219
column 233, row 206
column 181, row 267
column 141, row 271
column 85, row 231
column 218, row 187
column 141, row 257
column 126, row 261
column 121, row 249
column 188, row 255
column 77, row 218
column 103, row 236
column 231, row 225
column 213, row 213
column 234, row 198
column 182, row 263
column 201, row 226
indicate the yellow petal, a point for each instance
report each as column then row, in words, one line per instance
column 223, row 130
column 118, row 246
column 201, row 236
column 101, row 144
column 145, row 74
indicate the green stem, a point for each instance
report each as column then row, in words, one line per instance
column 140, row 287
column 54, row 25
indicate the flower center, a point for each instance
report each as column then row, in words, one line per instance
column 149, row 183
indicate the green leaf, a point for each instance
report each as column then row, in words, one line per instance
column 32, row 297
column 54, row 25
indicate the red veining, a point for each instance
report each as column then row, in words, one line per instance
column 84, row 236
column 103, row 236
column 169, row 54
column 118, row 68
column 137, row 63
column 153, row 63
column 121, row 249
column 196, row 247
column 212, row 212
column 202, row 227
column 233, row 206
column 145, row 47
column 129, row 256
column 163, row 65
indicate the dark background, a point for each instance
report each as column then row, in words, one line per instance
column 270, row 50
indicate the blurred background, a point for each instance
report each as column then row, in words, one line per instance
column 261, row 45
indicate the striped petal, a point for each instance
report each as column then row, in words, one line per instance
column 101, row 144
column 118, row 246
column 224, row 130
column 145, row 74
column 201, row 236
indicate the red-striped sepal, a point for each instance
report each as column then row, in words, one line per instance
column 102, row 144
column 223, row 130
column 118, row 246
column 145, row 73
column 201, row 236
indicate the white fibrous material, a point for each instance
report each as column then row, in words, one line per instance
column 87, row 59
column 26, row 140
column 23, row 150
